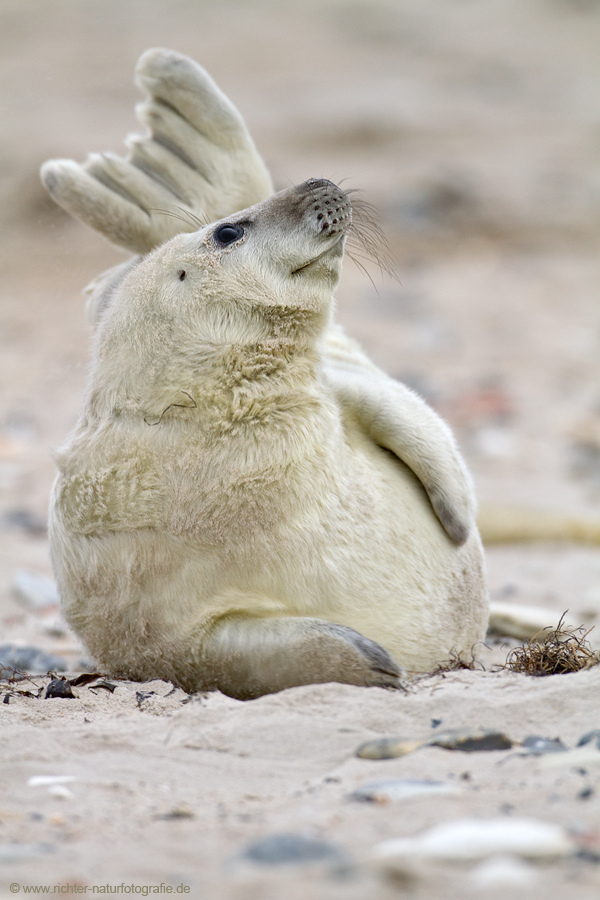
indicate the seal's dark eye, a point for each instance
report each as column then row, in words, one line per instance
column 227, row 234
column 181, row 275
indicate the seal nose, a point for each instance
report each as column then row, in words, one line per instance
column 328, row 206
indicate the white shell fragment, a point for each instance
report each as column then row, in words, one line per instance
column 503, row 872
column 472, row 839
column 387, row 748
column 588, row 755
column 48, row 780
column 400, row 789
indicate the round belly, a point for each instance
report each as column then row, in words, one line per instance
column 372, row 554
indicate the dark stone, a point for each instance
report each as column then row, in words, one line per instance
column 591, row 737
column 281, row 849
column 24, row 520
column 537, row 746
column 59, row 687
column 471, row 741
column 590, row 856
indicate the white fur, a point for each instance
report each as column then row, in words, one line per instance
column 247, row 502
column 226, row 493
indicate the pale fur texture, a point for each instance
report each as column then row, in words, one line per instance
column 247, row 502
column 229, row 498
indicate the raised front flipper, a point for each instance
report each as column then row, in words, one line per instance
column 197, row 161
column 400, row 421
column 250, row 656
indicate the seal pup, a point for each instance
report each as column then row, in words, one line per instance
column 247, row 503
column 198, row 160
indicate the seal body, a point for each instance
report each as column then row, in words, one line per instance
column 246, row 502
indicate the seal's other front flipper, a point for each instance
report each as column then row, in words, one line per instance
column 397, row 419
column 197, row 164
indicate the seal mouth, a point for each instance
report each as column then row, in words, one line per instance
column 334, row 251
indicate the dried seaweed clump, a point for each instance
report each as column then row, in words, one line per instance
column 455, row 662
column 554, row 651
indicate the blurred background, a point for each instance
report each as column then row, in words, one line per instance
column 473, row 126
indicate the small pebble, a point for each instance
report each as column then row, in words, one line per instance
column 591, row 737
column 28, row 659
column 470, row 740
column 471, row 839
column 16, row 852
column 282, row 849
column 61, row 792
column 400, row 789
column 178, row 812
column 59, row 687
column 466, row 740
column 387, row 748
column 35, row 592
column 24, row 520
column 538, row 746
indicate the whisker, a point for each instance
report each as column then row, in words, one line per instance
column 184, row 215
column 367, row 235
column 362, row 268
column 374, row 247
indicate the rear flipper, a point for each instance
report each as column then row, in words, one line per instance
column 251, row 656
